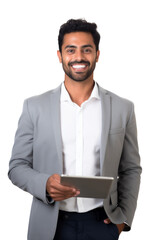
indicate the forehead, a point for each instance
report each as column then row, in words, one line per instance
column 78, row 39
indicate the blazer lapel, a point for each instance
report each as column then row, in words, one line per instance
column 106, row 115
column 55, row 115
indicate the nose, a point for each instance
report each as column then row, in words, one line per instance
column 79, row 55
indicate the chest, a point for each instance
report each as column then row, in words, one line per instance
column 81, row 123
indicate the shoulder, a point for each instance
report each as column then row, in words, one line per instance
column 40, row 105
column 42, row 98
column 120, row 107
column 115, row 99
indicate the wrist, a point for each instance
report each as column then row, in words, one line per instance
column 49, row 198
column 120, row 227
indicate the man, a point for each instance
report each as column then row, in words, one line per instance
column 77, row 129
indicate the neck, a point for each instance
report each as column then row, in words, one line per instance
column 79, row 91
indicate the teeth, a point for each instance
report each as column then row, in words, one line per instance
column 78, row 66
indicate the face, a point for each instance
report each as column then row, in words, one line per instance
column 79, row 56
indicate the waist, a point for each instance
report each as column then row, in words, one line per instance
column 80, row 204
column 98, row 214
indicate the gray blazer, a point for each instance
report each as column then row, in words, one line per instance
column 37, row 154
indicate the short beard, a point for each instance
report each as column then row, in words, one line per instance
column 79, row 79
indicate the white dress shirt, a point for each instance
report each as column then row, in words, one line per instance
column 81, row 137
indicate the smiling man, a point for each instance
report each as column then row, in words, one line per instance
column 77, row 129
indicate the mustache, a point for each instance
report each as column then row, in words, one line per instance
column 79, row 62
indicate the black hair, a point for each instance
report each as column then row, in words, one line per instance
column 78, row 25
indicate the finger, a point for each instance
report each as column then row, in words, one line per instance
column 63, row 194
column 56, row 183
column 58, row 196
column 65, row 191
column 56, row 177
column 107, row 221
column 58, row 187
column 58, row 191
column 71, row 193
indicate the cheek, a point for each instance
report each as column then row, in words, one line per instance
column 66, row 60
column 93, row 58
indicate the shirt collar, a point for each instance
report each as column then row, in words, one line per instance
column 66, row 98
column 64, row 94
column 95, row 92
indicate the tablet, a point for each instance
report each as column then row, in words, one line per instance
column 90, row 187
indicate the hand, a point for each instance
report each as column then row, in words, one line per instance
column 57, row 191
column 119, row 226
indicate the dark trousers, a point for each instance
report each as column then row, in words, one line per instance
column 85, row 226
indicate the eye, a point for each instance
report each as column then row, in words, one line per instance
column 70, row 50
column 87, row 50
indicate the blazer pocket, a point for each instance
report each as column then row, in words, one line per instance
column 116, row 131
column 114, row 198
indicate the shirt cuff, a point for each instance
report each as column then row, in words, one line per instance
column 126, row 227
column 49, row 199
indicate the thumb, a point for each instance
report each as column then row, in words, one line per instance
column 57, row 177
column 107, row 221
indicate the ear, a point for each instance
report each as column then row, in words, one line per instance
column 97, row 58
column 59, row 56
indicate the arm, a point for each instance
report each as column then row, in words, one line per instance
column 129, row 171
column 21, row 171
column 129, row 174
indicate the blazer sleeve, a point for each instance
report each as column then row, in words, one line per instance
column 21, row 171
column 129, row 171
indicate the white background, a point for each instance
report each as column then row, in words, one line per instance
column 129, row 65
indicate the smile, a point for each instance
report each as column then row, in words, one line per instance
column 78, row 66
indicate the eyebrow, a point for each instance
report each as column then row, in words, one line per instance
column 88, row 45
column 84, row 46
